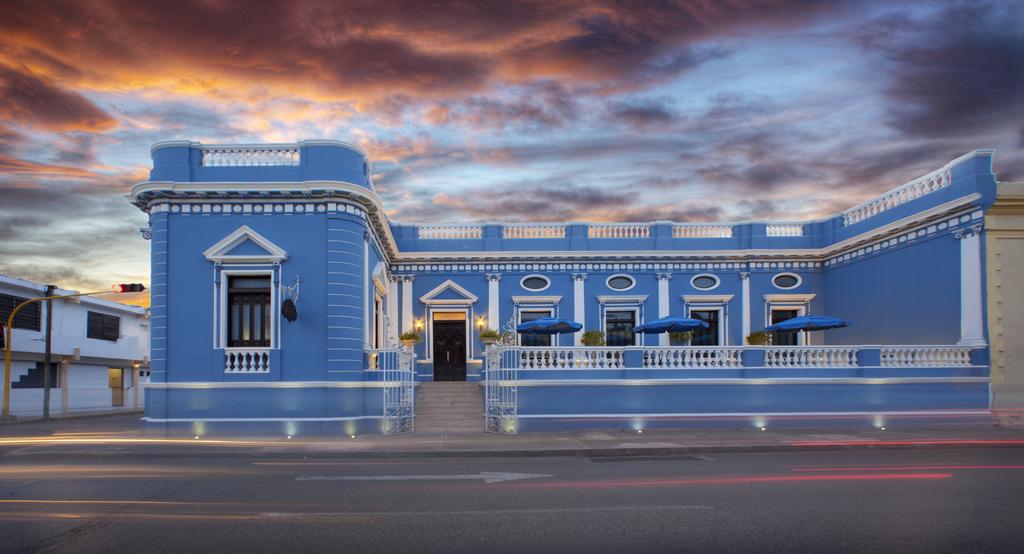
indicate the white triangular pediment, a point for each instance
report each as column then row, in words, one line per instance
column 225, row 250
column 433, row 297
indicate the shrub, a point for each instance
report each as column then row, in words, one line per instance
column 681, row 337
column 411, row 336
column 490, row 334
column 759, row 338
column 592, row 338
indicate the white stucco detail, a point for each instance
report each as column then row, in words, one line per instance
column 493, row 306
column 578, row 305
column 663, row 304
column 407, row 319
column 972, row 330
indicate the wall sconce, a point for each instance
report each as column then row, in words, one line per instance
column 419, row 323
column 481, row 322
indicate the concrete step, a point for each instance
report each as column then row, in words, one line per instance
column 441, row 429
column 449, row 408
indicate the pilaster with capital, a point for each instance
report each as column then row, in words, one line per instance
column 579, row 305
column 972, row 323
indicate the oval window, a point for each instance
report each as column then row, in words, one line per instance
column 535, row 282
column 786, row 281
column 620, row 282
column 704, row 282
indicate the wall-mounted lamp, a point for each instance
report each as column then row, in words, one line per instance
column 419, row 323
column 481, row 322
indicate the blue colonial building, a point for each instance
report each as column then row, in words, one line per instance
column 280, row 287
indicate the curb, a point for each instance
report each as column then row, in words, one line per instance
column 199, row 451
column 14, row 420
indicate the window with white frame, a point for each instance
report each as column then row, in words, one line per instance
column 531, row 314
column 618, row 326
column 711, row 335
column 620, row 282
column 249, row 312
column 778, row 314
column 535, row 283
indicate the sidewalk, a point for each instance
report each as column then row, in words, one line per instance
column 121, row 436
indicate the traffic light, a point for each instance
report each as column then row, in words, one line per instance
column 129, row 287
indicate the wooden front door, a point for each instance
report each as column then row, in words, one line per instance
column 449, row 350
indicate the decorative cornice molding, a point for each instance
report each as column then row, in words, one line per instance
column 536, row 299
column 790, row 298
column 707, row 298
column 622, row 299
column 428, row 298
column 220, row 252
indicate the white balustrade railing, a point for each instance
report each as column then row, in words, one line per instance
column 926, row 356
column 450, row 232
column 619, row 231
column 686, row 357
column 701, row 231
column 901, row 195
column 533, row 231
column 244, row 155
column 810, row 356
column 247, row 360
column 784, row 230
column 569, row 357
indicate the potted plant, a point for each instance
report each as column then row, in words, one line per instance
column 592, row 338
column 680, row 338
column 489, row 336
column 409, row 339
column 759, row 338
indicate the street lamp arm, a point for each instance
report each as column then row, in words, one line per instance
column 9, row 346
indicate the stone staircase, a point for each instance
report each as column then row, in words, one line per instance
column 449, row 407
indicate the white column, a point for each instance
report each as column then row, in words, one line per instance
column 972, row 325
column 493, row 302
column 392, row 307
column 407, row 322
column 663, row 304
column 745, row 305
column 367, row 296
column 579, row 312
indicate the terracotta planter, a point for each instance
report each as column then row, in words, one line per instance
column 409, row 343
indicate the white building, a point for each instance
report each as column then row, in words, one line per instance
column 99, row 352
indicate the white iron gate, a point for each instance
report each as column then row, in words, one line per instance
column 500, row 390
column 398, row 367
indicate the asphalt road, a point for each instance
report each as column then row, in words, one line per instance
column 851, row 501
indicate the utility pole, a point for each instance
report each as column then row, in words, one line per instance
column 46, row 355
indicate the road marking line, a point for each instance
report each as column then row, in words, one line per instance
column 485, row 476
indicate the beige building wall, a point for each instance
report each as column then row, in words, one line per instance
column 1004, row 251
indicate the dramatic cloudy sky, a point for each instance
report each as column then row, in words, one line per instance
column 688, row 110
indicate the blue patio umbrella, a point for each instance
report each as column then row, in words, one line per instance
column 548, row 326
column 808, row 323
column 674, row 324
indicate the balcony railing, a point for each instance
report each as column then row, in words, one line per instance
column 245, row 155
column 571, row 357
column 247, row 360
column 450, row 232
column 911, row 191
column 692, row 357
column 810, row 356
column 926, row 356
column 533, row 231
column 619, row 231
column 701, row 231
column 784, row 230
column 733, row 357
